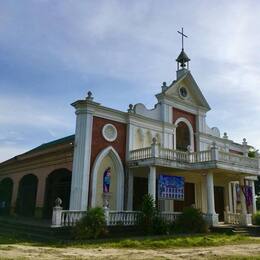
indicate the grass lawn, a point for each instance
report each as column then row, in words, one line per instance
column 156, row 242
column 147, row 242
column 201, row 246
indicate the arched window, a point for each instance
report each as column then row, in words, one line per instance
column 26, row 199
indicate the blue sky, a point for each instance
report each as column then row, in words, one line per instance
column 53, row 52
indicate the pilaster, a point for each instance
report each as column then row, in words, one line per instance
column 82, row 153
column 254, row 199
column 130, row 189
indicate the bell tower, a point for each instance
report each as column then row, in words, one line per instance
column 182, row 59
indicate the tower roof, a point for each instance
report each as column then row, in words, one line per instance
column 183, row 57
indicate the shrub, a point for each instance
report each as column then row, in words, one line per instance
column 191, row 221
column 92, row 225
column 160, row 226
column 150, row 220
column 148, row 212
column 256, row 218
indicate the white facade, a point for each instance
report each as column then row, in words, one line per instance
column 209, row 164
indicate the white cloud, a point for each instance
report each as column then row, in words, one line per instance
column 137, row 42
column 10, row 150
column 32, row 112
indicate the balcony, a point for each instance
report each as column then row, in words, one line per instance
column 209, row 159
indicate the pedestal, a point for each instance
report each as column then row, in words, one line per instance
column 212, row 219
column 106, row 199
column 245, row 220
column 56, row 216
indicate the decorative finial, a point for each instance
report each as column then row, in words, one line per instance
column 89, row 97
column 244, row 141
column 154, row 140
column 214, row 145
column 58, row 202
column 225, row 136
column 164, row 86
column 131, row 108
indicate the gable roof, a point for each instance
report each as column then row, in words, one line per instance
column 193, row 86
column 66, row 139
column 42, row 147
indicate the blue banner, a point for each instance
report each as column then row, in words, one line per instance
column 171, row 187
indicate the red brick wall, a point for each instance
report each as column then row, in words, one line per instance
column 177, row 113
column 99, row 143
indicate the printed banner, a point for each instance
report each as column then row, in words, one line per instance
column 171, row 187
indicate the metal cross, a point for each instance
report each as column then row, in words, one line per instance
column 182, row 35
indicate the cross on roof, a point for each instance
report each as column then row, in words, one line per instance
column 182, row 35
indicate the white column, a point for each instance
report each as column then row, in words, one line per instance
column 210, row 190
column 230, row 199
column 245, row 219
column 211, row 214
column 130, row 189
column 81, row 158
column 242, row 198
column 203, row 194
column 234, row 197
column 152, row 182
column 254, row 199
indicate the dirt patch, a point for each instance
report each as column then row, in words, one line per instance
column 32, row 252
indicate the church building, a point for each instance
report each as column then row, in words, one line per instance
column 116, row 157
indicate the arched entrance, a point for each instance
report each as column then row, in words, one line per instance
column 57, row 185
column 108, row 158
column 6, row 191
column 26, row 199
column 184, row 135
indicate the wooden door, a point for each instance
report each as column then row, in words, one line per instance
column 189, row 198
column 140, row 189
column 219, row 201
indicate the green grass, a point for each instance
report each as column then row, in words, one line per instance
column 154, row 242
column 169, row 242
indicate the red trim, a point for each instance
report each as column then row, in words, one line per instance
column 177, row 113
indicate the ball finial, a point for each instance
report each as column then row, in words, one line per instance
column 89, row 96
